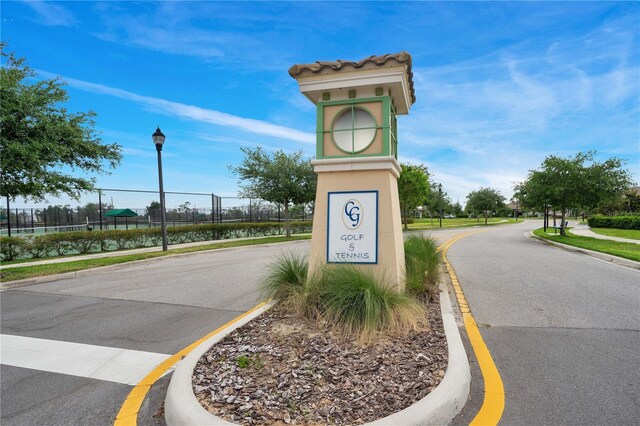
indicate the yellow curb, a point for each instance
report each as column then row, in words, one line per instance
column 494, row 398
column 128, row 414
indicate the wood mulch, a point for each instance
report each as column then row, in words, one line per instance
column 279, row 369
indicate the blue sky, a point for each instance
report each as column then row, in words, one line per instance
column 499, row 85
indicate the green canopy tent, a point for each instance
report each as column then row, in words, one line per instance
column 126, row 213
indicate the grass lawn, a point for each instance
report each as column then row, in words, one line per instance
column 13, row 274
column 633, row 234
column 458, row 223
column 616, row 248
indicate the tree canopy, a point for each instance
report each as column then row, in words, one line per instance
column 485, row 200
column 413, row 188
column 41, row 139
column 278, row 178
column 573, row 182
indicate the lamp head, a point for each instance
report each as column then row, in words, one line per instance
column 158, row 138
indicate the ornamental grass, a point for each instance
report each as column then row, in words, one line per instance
column 354, row 302
column 351, row 299
column 422, row 266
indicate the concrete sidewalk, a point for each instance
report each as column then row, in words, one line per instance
column 127, row 252
column 584, row 231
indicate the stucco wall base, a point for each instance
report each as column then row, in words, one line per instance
column 361, row 174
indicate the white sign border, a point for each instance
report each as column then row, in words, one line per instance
column 374, row 191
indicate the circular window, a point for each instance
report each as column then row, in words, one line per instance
column 353, row 130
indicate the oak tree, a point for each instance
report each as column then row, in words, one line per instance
column 44, row 148
column 278, row 178
column 578, row 181
column 485, row 200
column 413, row 188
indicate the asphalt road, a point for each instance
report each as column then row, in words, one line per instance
column 159, row 307
column 563, row 329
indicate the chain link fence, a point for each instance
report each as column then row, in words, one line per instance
column 182, row 208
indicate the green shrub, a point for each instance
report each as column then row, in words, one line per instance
column 285, row 280
column 12, row 248
column 59, row 242
column 154, row 235
column 353, row 301
column 422, row 266
column 37, row 247
column 618, row 222
column 121, row 238
column 81, row 242
column 144, row 238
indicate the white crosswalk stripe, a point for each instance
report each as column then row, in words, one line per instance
column 78, row 359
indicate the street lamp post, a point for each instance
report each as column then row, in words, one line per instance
column 440, row 203
column 158, row 140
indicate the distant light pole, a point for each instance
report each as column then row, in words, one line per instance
column 440, row 202
column 158, row 140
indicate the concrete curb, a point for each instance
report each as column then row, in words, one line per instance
column 439, row 407
column 621, row 261
column 444, row 403
column 180, row 405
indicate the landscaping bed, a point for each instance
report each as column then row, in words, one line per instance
column 281, row 369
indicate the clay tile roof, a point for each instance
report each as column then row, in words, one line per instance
column 318, row 66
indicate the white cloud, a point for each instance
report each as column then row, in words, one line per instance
column 237, row 41
column 51, row 14
column 192, row 112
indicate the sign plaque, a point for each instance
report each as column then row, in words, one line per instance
column 352, row 227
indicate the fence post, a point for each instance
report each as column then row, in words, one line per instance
column 33, row 229
column 100, row 206
column 17, row 222
column 250, row 208
column 8, row 217
column 213, row 208
column 44, row 216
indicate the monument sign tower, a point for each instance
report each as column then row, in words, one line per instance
column 357, row 209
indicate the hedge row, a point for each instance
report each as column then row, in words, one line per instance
column 82, row 242
column 619, row 222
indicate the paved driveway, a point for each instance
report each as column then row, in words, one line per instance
column 562, row 327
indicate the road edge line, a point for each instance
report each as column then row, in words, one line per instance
column 494, row 397
column 128, row 414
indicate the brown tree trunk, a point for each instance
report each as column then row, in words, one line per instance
column 405, row 220
column 485, row 217
column 562, row 231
